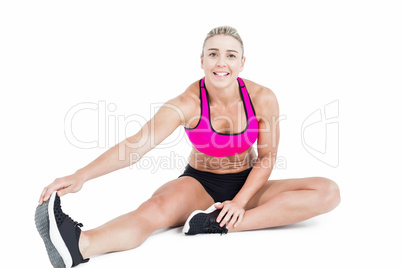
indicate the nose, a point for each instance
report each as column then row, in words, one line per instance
column 221, row 62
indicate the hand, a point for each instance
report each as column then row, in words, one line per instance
column 63, row 186
column 234, row 214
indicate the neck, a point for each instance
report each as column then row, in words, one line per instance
column 223, row 95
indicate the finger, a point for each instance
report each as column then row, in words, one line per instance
column 47, row 195
column 239, row 220
column 50, row 190
column 221, row 214
column 55, row 186
column 219, row 206
column 232, row 221
column 40, row 201
column 226, row 219
column 63, row 191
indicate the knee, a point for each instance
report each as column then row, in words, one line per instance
column 154, row 212
column 160, row 211
column 329, row 194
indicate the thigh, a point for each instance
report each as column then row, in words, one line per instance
column 274, row 187
column 176, row 200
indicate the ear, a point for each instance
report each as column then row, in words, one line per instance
column 243, row 60
column 202, row 61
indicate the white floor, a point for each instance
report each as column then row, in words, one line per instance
column 356, row 234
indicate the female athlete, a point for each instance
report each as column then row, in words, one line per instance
column 225, row 186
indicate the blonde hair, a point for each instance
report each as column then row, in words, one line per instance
column 225, row 30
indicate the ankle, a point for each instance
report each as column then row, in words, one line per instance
column 83, row 245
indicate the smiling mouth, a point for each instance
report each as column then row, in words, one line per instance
column 221, row 74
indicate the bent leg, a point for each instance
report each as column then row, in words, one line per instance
column 169, row 206
column 284, row 202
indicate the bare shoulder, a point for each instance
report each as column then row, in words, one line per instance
column 189, row 98
column 186, row 103
column 263, row 98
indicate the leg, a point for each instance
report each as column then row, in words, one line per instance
column 169, row 206
column 289, row 201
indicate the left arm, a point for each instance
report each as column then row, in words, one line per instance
column 267, row 110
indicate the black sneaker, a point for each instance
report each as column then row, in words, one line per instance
column 59, row 233
column 204, row 222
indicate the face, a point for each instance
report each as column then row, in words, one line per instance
column 222, row 61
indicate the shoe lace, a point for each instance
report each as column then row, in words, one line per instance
column 77, row 226
column 215, row 228
column 76, row 223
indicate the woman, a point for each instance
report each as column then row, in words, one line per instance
column 224, row 187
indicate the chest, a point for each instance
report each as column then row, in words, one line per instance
column 228, row 120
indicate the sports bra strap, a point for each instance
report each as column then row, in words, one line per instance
column 241, row 82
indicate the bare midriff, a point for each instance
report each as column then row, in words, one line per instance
column 222, row 165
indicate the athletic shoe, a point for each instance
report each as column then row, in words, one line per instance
column 204, row 222
column 59, row 233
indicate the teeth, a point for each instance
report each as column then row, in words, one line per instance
column 221, row 74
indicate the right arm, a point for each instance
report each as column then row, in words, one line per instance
column 170, row 116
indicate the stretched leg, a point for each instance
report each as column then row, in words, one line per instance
column 169, row 206
column 283, row 202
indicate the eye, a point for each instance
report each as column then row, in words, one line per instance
column 213, row 54
column 232, row 56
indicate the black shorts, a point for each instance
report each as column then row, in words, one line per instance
column 221, row 187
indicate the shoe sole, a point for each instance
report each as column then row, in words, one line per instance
column 195, row 219
column 43, row 226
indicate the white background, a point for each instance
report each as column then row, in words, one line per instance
column 137, row 54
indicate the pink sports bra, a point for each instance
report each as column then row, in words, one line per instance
column 212, row 143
